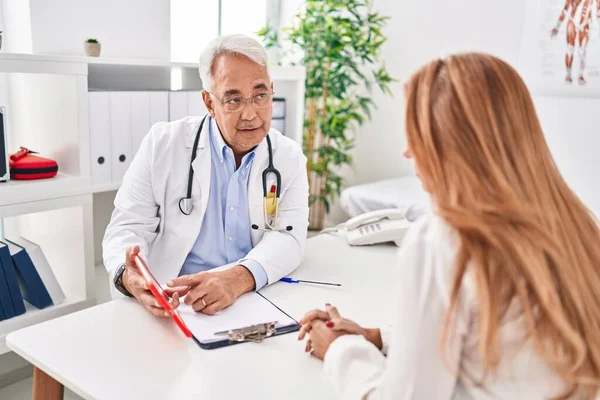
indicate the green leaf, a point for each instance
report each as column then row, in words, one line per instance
column 339, row 43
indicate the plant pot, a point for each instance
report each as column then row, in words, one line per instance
column 316, row 216
column 317, row 211
column 91, row 49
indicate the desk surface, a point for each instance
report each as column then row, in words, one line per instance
column 117, row 350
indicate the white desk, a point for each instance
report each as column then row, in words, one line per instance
column 117, row 350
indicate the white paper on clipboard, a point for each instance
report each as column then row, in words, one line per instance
column 249, row 309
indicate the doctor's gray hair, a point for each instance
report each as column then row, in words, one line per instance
column 236, row 44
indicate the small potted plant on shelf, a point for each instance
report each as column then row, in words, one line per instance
column 91, row 47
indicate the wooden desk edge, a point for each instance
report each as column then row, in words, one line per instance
column 45, row 387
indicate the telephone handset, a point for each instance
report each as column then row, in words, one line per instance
column 388, row 225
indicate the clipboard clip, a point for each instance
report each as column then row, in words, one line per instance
column 252, row 333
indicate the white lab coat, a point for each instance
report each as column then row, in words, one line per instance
column 147, row 204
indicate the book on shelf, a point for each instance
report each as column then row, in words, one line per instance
column 10, row 293
column 38, row 283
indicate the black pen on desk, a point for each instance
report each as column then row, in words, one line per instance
column 291, row 280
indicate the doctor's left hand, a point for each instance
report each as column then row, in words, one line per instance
column 210, row 292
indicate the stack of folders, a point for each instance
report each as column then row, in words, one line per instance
column 278, row 116
column 25, row 275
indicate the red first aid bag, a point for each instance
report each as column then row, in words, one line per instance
column 24, row 164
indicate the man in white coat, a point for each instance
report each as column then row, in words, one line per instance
column 223, row 221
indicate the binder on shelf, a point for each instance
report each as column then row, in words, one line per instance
column 278, row 108
column 196, row 106
column 178, row 105
column 11, row 279
column 140, row 119
column 118, row 123
column 159, row 107
column 147, row 108
column 120, row 134
column 5, row 298
column 41, row 265
column 278, row 124
column 99, row 113
column 4, row 168
column 34, row 290
column 278, row 116
column 1, row 312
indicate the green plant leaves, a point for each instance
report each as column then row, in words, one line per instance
column 339, row 43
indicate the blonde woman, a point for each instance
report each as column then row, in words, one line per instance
column 499, row 288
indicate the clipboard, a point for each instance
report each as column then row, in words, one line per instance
column 280, row 324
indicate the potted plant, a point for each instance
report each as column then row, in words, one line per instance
column 0, row 40
column 339, row 43
column 91, row 47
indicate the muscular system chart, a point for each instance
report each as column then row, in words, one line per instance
column 561, row 47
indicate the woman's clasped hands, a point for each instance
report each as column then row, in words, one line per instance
column 324, row 327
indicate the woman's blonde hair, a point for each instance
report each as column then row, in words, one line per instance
column 480, row 150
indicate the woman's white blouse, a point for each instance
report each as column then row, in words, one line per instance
column 414, row 367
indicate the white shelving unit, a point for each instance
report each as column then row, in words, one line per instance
column 34, row 316
column 19, row 192
column 109, row 187
column 47, row 111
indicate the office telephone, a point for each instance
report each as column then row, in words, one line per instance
column 388, row 225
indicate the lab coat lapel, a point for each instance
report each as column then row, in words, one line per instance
column 202, row 167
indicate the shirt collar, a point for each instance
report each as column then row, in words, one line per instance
column 219, row 143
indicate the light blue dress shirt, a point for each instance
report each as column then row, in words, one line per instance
column 225, row 234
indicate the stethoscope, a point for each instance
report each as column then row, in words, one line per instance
column 186, row 206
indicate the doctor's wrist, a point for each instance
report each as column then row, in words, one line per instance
column 243, row 280
column 119, row 282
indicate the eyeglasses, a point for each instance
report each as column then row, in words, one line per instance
column 237, row 103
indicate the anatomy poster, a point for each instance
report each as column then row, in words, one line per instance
column 561, row 48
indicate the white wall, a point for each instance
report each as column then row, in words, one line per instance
column 126, row 29
column 3, row 77
column 17, row 26
column 419, row 31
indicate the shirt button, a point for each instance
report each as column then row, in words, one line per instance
column 232, row 208
column 233, row 177
column 230, row 238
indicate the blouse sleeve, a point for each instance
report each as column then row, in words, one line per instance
column 414, row 367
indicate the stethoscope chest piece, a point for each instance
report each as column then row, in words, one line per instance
column 185, row 205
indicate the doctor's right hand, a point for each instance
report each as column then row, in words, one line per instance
column 135, row 284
